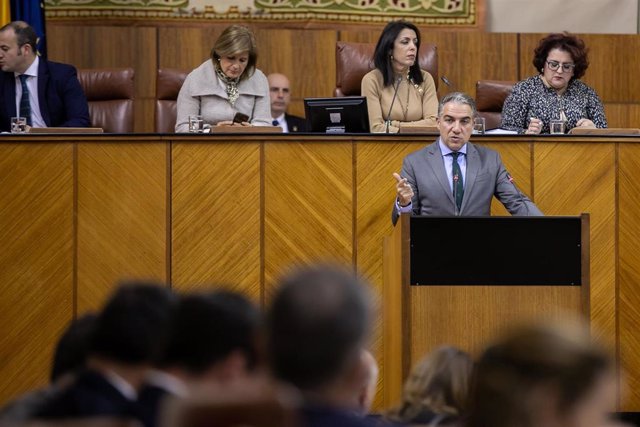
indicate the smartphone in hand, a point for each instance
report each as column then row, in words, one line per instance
column 240, row 118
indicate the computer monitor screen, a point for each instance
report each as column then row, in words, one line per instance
column 347, row 114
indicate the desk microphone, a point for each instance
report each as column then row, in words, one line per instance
column 455, row 193
column 511, row 180
column 395, row 93
column 447, row 82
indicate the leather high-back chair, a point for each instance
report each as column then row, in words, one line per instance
column 354, row 60
column 490, row 97
column 168, row 84
column 239, row 405
column 110, row 94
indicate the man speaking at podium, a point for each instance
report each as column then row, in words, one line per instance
column 453, row 176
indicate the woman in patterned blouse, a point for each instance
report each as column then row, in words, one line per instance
column 557, row 92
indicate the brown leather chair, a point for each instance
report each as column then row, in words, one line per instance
column 256, row 406
column 354, row 60
column 490, row 97
column 110, row 95
column 168, row 84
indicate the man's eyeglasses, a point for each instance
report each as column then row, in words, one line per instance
column 566, row 67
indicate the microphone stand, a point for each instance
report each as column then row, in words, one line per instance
column 395, row 94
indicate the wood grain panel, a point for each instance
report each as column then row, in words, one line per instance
column 288, row 52
column 185, row 47
column 582, row 178
column 623, row 115
column 36, row 260
column 629, row 274
column 469, row 317
column 216, row 216
column 375, row 164
column 308, row 198
column 122, row 216
column 111, row 47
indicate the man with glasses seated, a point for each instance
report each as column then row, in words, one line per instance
column 556, row 93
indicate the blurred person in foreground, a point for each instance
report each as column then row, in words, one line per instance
column 437, row 390
column 398, row 72
column 226, row 84
column 213, row 341
column 318, row 324
column 70, row 356
column 543, row 376
column 129, row 334
column 557, row 93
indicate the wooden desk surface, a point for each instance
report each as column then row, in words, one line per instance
column 79, row 212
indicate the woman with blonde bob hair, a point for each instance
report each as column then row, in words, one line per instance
column 437, row 389
column 227, row 84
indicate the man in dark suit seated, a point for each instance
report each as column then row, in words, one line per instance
column 130, row 332
column 280, row 93
column 317, row 326
column 453, row 176
column 47, row 93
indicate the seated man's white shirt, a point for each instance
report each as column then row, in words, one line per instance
column 32, row 83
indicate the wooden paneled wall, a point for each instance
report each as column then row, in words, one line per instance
column 307, row 56
column 79, row 213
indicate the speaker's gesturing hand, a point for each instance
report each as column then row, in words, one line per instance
column 404, row 191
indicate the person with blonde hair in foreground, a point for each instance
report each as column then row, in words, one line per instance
column 437, row 390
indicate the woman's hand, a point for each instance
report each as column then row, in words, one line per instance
column 535, row 126
column 585, row 123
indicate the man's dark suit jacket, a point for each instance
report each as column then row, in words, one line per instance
column 90, row 395
column 61, row 98
column 295, row 123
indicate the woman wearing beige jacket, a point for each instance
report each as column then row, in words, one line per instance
column 227, row 84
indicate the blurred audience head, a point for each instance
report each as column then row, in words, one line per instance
column 236, row 40
column 214, row 337
column 543, row 376
column 389, row 40
column 318, row 324
column 72, row 349
column 438, row 387
column 132, row 327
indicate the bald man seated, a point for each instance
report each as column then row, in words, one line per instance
column 280, row 92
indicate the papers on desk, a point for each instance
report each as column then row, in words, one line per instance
column 501, row 132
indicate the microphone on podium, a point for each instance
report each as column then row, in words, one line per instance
column 446, row 81
column 455, row 195
column 395, row 94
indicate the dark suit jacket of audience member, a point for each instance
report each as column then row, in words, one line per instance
column 90, row 395
column 325, row 416
column 295, row 123
column 149, row 400
column 61, row 98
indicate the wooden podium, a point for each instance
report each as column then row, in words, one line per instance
column 461, row 280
